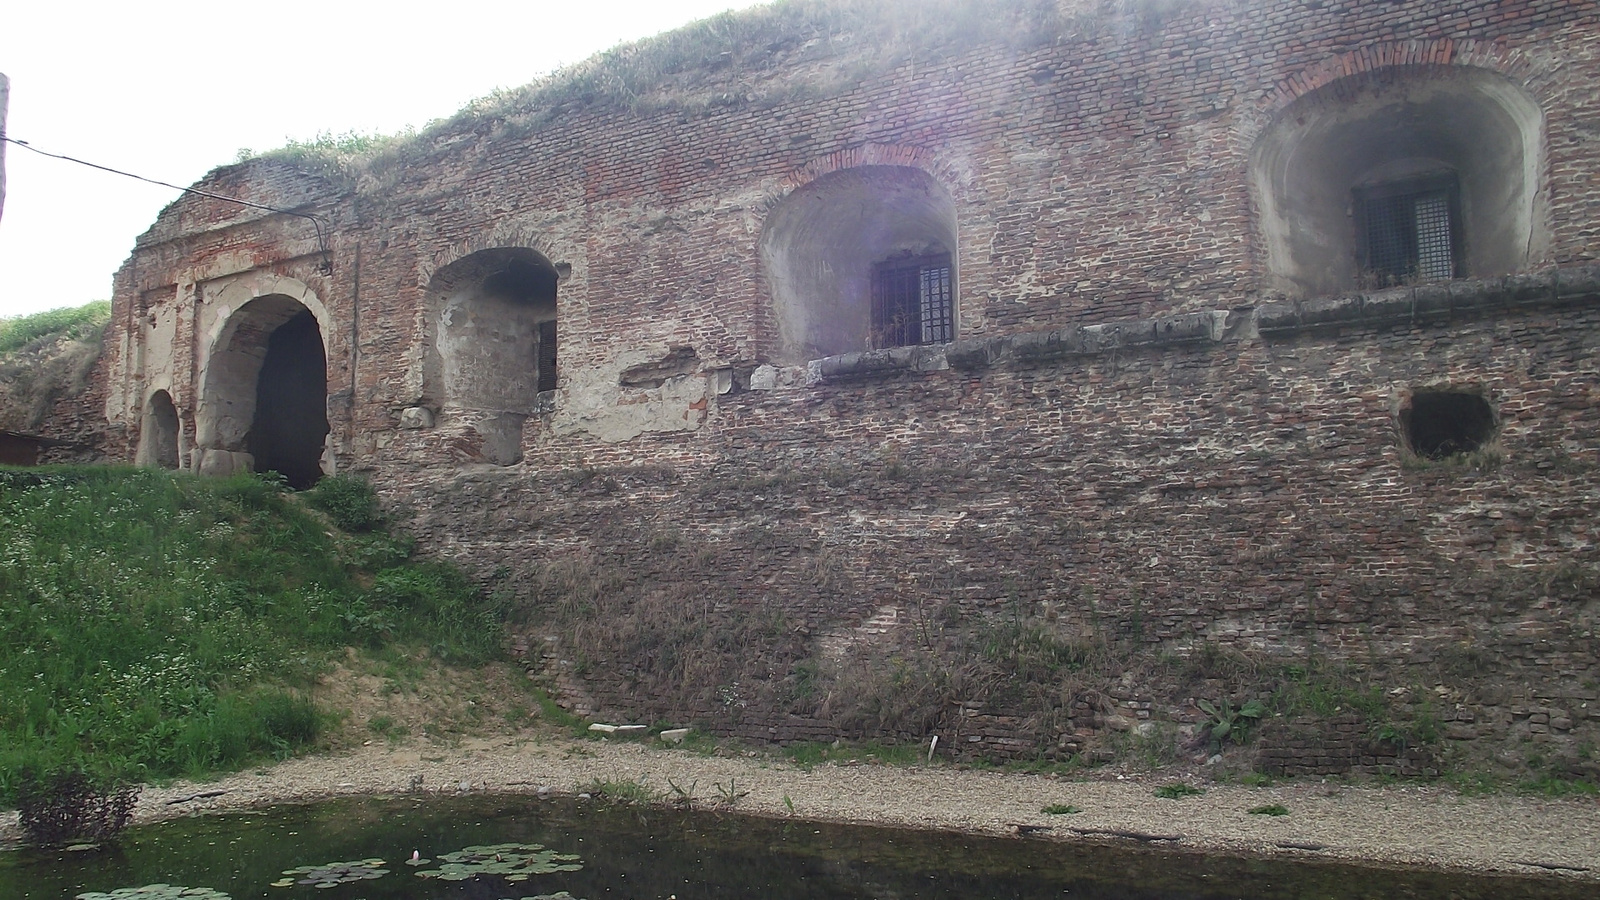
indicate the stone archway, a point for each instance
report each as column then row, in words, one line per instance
column 264, row 402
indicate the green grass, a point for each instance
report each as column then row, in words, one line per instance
column 349, row 501
column 1043, row 766
column 1552, row 786
column 552, row 713
column 1177, row 791
column 1270, row 809
column 1060, row 809
column 155, row 624
column 69, row 322
column 621, row 790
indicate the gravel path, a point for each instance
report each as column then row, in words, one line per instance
column 1410, row 825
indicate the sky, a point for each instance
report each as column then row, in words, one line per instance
column 169, row 89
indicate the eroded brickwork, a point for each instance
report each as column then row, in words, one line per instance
column 1138, row 443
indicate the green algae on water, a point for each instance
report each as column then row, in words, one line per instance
column 156, row 892
column 328, row 875
column 513, row 862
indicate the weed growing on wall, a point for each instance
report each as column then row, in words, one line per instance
column 156, row 624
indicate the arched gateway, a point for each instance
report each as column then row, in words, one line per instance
column 263, row 405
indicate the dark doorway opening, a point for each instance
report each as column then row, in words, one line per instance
column 291, row 420
column 1439, row 424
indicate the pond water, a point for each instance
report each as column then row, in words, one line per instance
column 593, row 850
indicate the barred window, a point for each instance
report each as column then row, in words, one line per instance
column 1410, row 231
column 912, row 301
column 547, row 356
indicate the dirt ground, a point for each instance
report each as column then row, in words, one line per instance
column 411, row 731
column 1411, row 825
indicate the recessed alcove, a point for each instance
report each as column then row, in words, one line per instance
column 861, row 259
column 1399, row 175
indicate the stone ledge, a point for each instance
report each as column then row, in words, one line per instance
column 1280, row 319
column 1426, row 302
column 864, row 363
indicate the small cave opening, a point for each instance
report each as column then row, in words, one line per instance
column 1440, row 424
column 291, row 418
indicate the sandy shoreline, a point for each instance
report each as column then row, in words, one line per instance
column 1414, row 825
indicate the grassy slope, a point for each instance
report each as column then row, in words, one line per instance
column 44, row 357
column 154, row 624
column 766, row 54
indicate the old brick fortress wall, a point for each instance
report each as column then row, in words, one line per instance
column 1157, row 431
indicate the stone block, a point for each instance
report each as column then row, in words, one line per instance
column 416, row 417
column 764, row 378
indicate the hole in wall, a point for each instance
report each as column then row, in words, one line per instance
column 1438, row 424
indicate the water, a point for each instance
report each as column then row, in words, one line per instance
column 649, row 853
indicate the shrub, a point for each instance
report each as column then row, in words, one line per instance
column 68, row 805
column 349, row 501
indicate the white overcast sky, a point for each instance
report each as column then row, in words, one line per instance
column 169, row 89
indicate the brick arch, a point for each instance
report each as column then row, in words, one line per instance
column 502, row 235
column 1512, row 63
column 943, row 170
column 862, row 254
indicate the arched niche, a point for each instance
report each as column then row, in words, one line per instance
column 862, row 258
column 158, row 433
column 495, row 336
column 264, row 395
column 1332, row 164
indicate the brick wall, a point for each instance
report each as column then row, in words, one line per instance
column 1133, row 444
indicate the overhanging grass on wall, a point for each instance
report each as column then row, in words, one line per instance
column 154, row 624
column 726, row 59
column 71, row 322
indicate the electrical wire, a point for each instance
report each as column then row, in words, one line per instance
column 316, row 221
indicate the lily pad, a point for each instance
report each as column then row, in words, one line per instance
column 156, row 892
column 513, row 862
column 332, row 874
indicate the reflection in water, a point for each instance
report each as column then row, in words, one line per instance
column 592, row 851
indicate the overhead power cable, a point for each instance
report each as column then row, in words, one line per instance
column 316, row 221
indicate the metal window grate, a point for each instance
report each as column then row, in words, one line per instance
column 1435, row 258
column 1410, row 236
column 547, row 356
column 913, row 302
column 936, row 306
